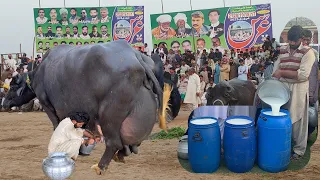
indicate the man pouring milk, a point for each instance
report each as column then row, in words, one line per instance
column 293, row 68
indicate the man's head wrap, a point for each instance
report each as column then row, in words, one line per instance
column 181, row 16
column 164, row 18
column 63, row 10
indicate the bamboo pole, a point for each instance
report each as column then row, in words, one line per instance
column 162, row 6
column 34, row 42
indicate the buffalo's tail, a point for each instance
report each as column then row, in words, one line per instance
column 165, row 106
column 156, row 88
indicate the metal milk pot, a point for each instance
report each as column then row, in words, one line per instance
column 273, row 88
column 183, row 148
column 58, row 166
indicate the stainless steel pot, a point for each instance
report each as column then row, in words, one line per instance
column 273, row 88
column 313, row 115
column 58, row 166
column 183, row 148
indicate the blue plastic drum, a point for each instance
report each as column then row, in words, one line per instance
column 239, row 143
column 204, row 145
column 274, row 140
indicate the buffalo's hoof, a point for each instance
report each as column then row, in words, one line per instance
column 98, row 170
column 118, row 158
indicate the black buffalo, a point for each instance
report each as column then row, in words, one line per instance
column 232, row 93
column 118, row 87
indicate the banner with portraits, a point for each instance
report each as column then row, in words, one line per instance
column 88, row 25
column 219, row 28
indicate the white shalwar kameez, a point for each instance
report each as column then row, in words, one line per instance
column 193, row 88
column 66, row 138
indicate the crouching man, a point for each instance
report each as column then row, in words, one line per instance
column 68, row 136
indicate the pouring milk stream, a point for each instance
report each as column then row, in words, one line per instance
column 275, row 104
column 275, row 94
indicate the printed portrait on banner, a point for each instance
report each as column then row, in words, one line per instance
column 89, row 25
column 217, row 28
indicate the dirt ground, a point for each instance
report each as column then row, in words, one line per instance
column 24, row 139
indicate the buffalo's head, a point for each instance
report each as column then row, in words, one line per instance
column 20, row 91
column 222, row 94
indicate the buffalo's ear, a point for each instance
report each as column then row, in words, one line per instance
column 18, row 79
column 230, row 93
column 21, row 90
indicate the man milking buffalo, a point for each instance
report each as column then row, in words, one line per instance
column 116, row 85
column 68, row 136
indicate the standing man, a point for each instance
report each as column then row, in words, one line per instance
column 275, row 44
column 313, row 81
column 10, row 63
column 172, row 76
column 147, row 50
column 193, row 90
column 293, row 68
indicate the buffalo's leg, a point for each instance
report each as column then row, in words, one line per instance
column 108, row 154
column 119, row 156
column 110, row 120
column 52, row 116
column 49, row 109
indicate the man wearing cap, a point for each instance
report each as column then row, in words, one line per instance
column 183, row 29
column 64, row 16
column 293, row 68
column 68, row 136
column 164, row 31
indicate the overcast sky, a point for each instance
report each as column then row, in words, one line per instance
column 17, row 23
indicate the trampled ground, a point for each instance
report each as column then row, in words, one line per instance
column 24, row 139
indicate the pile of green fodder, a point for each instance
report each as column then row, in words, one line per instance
column 176, row 132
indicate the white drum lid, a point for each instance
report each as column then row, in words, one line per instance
column 204, row 121
column 270, row 113
column 238, row 121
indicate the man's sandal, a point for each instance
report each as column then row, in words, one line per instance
column 295, row 157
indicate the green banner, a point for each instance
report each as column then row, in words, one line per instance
column 88, row 25
column 219, row 28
